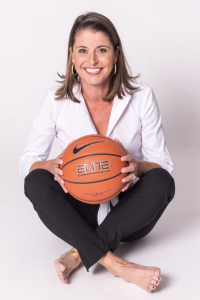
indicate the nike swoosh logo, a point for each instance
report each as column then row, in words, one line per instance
column 77, row 150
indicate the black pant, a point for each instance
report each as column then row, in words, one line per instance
column 75, row 222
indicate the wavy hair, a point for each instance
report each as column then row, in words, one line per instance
column 120, row 83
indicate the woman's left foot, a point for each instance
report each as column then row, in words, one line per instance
column 66, row 263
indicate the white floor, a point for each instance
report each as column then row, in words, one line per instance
column 28, row 248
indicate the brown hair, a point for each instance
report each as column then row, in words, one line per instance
column 121, row 82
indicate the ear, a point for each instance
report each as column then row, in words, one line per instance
column 116, row 53
column 70, row 49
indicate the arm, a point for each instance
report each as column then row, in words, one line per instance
column 40, row 139
column 136, row 167
column 144, row 166
column 47, row 165
column 154, row 148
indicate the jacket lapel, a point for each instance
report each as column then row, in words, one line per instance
column 119, row 106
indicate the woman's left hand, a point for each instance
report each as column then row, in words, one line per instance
column 132, row 169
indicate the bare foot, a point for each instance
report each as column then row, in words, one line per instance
column 66, row 263
column 148, row 278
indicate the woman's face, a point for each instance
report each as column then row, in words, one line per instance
column 93, row 56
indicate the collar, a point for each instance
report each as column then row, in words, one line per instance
column 119, row 106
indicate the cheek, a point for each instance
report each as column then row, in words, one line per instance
column 78, row 60
column 108, row 62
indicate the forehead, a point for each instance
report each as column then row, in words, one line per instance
column 90, row 38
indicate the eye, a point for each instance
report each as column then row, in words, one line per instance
column 80, row 51
column 103, row 50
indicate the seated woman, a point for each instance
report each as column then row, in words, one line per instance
column 99, row 96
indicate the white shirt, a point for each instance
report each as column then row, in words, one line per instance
column 135, row 120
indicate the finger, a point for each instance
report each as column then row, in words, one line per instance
column 59, row 179
column 128, row 169
column 64, row 189
column 128, row 178
column 58, row 171
column 126, row 158
column 58, row 161
column 62, row 183
column 126, row 187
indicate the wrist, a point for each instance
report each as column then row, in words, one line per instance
column 50, row 165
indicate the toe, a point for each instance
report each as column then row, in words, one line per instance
column 155, row 282
column 151, row 287
column 157, row 278
column 157, row 272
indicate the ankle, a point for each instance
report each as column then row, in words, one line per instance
column 76, row 254
column 112, row 262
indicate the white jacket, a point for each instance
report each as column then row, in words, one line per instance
column 135, row 120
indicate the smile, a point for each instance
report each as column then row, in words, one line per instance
column 93, row 71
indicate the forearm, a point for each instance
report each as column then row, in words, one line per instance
column 47, row 165
column 145, row 166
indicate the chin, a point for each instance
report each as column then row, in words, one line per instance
column 95, row 81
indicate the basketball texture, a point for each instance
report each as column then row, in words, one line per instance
column 92, row 169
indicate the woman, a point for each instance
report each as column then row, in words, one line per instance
column 98, row 95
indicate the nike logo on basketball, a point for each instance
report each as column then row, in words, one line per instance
column 77, row 150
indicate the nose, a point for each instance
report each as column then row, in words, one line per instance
column 93, row 58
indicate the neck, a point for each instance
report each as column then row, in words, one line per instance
column 94, row 93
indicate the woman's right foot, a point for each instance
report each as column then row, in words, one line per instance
column 148, row 278
column 66, row 263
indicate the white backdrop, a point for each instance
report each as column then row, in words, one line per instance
column 161, row 41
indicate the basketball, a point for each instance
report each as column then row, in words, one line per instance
column 92, row 169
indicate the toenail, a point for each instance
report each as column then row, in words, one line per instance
column 159, row 278
column 156, row 282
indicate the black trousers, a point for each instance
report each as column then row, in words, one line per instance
column 75, row 222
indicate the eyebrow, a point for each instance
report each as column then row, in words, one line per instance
column 97, row 47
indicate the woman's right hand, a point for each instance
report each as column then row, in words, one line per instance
column 56, row 169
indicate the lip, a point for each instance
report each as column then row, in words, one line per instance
column 93, row 74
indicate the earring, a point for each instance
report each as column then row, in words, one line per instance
column 73, row 71
column 115, row 70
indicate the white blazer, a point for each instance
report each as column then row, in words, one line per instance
column 135, row 120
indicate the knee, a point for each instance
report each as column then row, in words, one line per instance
column 34, row 180
column 162, row 181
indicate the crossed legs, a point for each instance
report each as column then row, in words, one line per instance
column 133, row 217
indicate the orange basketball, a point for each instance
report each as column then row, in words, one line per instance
column 92, row 169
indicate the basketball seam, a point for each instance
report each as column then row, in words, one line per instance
column 92, row 181
column 89, row 155
column 99, row 200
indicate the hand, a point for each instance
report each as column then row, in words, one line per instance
column 132, row 169
column 56, row 169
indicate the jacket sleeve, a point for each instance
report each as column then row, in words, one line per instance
column 154, row 146
column 41, row 135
